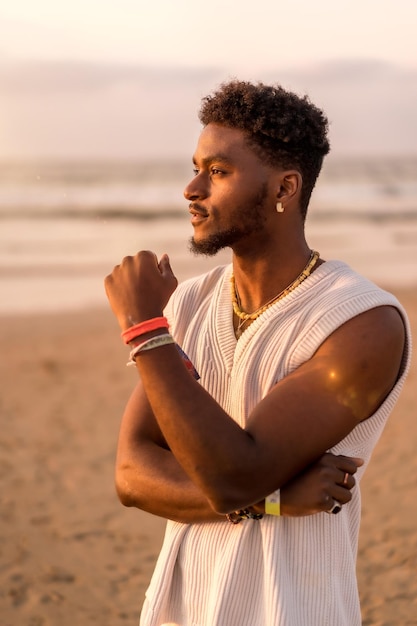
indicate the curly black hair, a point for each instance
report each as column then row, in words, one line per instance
column 283, row 128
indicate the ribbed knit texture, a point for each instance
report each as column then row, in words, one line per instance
column 278, row 571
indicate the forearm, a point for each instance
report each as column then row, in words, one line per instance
column 227, row 463
column 236, row 467
column 204, row 439
column 148, row 476
column 152, row 480
column 166, row 491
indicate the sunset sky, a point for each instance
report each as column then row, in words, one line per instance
column 67, row 69
column 241, row 35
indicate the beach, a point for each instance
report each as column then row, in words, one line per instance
column 70, row 553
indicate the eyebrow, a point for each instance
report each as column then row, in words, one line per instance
column 219, row 158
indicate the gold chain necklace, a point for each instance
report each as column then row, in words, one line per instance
column 245, row 317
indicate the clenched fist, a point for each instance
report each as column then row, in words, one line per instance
column 140, row 287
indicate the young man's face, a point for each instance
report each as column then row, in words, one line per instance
column 232, row 193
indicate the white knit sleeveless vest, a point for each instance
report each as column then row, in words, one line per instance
column 278, row 571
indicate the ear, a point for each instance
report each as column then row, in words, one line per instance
column 289, row 186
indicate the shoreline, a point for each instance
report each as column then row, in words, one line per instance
column 70, row 552
column 61, row 267
column 85, row 294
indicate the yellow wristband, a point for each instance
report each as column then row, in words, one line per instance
column 273, row 503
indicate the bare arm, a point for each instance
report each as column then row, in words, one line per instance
column 304, row 415
column 150, row 478
column 147, row 474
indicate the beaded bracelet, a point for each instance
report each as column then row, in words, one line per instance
column 150, row 344
column 144, row 327
column 237, row 516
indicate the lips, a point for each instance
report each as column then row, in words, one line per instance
column 197, row 211
column 198, row 214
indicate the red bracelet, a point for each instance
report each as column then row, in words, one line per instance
column 144, row 327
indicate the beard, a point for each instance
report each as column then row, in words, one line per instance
column 251, row 218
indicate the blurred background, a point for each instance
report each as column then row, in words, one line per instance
column 98, row 122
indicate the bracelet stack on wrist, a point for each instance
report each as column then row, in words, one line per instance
column 133, row 332
column 149, row 344
column 132, row 336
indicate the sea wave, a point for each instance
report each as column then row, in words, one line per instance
column 144, row 214
column 361, row 189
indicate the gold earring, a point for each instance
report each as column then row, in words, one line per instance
column 279, row 207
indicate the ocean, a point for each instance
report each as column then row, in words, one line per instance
column 63, row 226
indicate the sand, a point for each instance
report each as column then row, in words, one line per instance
column 70, row 554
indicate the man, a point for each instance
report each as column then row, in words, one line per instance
column 296, row 356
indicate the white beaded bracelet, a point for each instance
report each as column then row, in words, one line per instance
column 150, row 344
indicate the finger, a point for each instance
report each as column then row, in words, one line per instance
column 165, row 265
column 336, row 507
column 166, row 270
column 108, row 281
column 127, row 260
column 346, row 480
column 340, row 494
column 349, row 464
column 329, row 499
column 147, row 256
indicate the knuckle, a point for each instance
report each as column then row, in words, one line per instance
column 324, row 499
column 327, row 459
column 329, row 473
column 146, row 254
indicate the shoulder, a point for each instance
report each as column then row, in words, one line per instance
column 375, row 330
column 337, row 279
column 336, row 297
column 359, row 305
column 356, row 338
column 337, row 294
column 365, row 357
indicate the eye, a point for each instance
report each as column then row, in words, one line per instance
column 215, row 170
column 195, row 171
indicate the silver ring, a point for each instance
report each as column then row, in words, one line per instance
column 336, row 508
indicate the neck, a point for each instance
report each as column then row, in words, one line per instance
column 258, row 279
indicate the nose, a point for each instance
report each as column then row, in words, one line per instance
column 196, row 189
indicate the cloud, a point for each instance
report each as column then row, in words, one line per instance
column 71, row 77
column 81, row 110
column 371, row 105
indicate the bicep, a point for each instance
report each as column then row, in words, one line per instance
column 344, row 383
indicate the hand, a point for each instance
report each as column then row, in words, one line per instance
column 314, row 491
column 139, row 288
